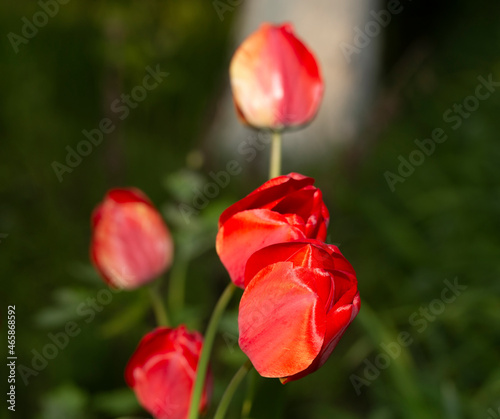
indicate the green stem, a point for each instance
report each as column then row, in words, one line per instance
column 275, row 162
column 247, row 403
column 158, row 307
column 231, row 389
column 207, row 349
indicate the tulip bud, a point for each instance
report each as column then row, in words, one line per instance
column 131, row 244
column 283, row 209
column 275, row 79
column 162, row 371
column 299, row 299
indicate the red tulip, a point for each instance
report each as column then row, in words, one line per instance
column 275, row 79
column 162, row 371
column 299, row 299
column 283, row 209
column 130, row 243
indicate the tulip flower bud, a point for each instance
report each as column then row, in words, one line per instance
column 275, row 79
column 283, row 209
column 299, row 299
column 131, row 244
column 162, row 371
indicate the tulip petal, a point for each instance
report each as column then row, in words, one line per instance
column 155, row 341
column 268, row 195
column 340, row 262
column 338, row 319
column 173, row 400
column 121, row 196
column 337, row 322
column 302, row 80
column 281, row 320
column 319, row 218
column 307, row 253
column 248, row 231
column 308, row 204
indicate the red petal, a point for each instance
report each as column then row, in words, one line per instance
column 302, row 80
column 155, row 341
column 281, row 320
column 298, row 202
column 319, row 218
column 248, row 231
column 121, row 196
column 96, row 216
column 340, row 262
column 338, row 320
column 305, row 253
column 268, row 194
column 164, row 389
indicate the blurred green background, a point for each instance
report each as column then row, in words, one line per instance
column 441, row 223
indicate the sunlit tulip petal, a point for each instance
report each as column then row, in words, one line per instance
column 280, row 305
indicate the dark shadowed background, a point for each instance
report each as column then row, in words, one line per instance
column 414, row 196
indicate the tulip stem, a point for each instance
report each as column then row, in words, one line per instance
column 275, row 162
column 231, row 389
column 248, row 402
column 207, row 349
column 158, row 307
